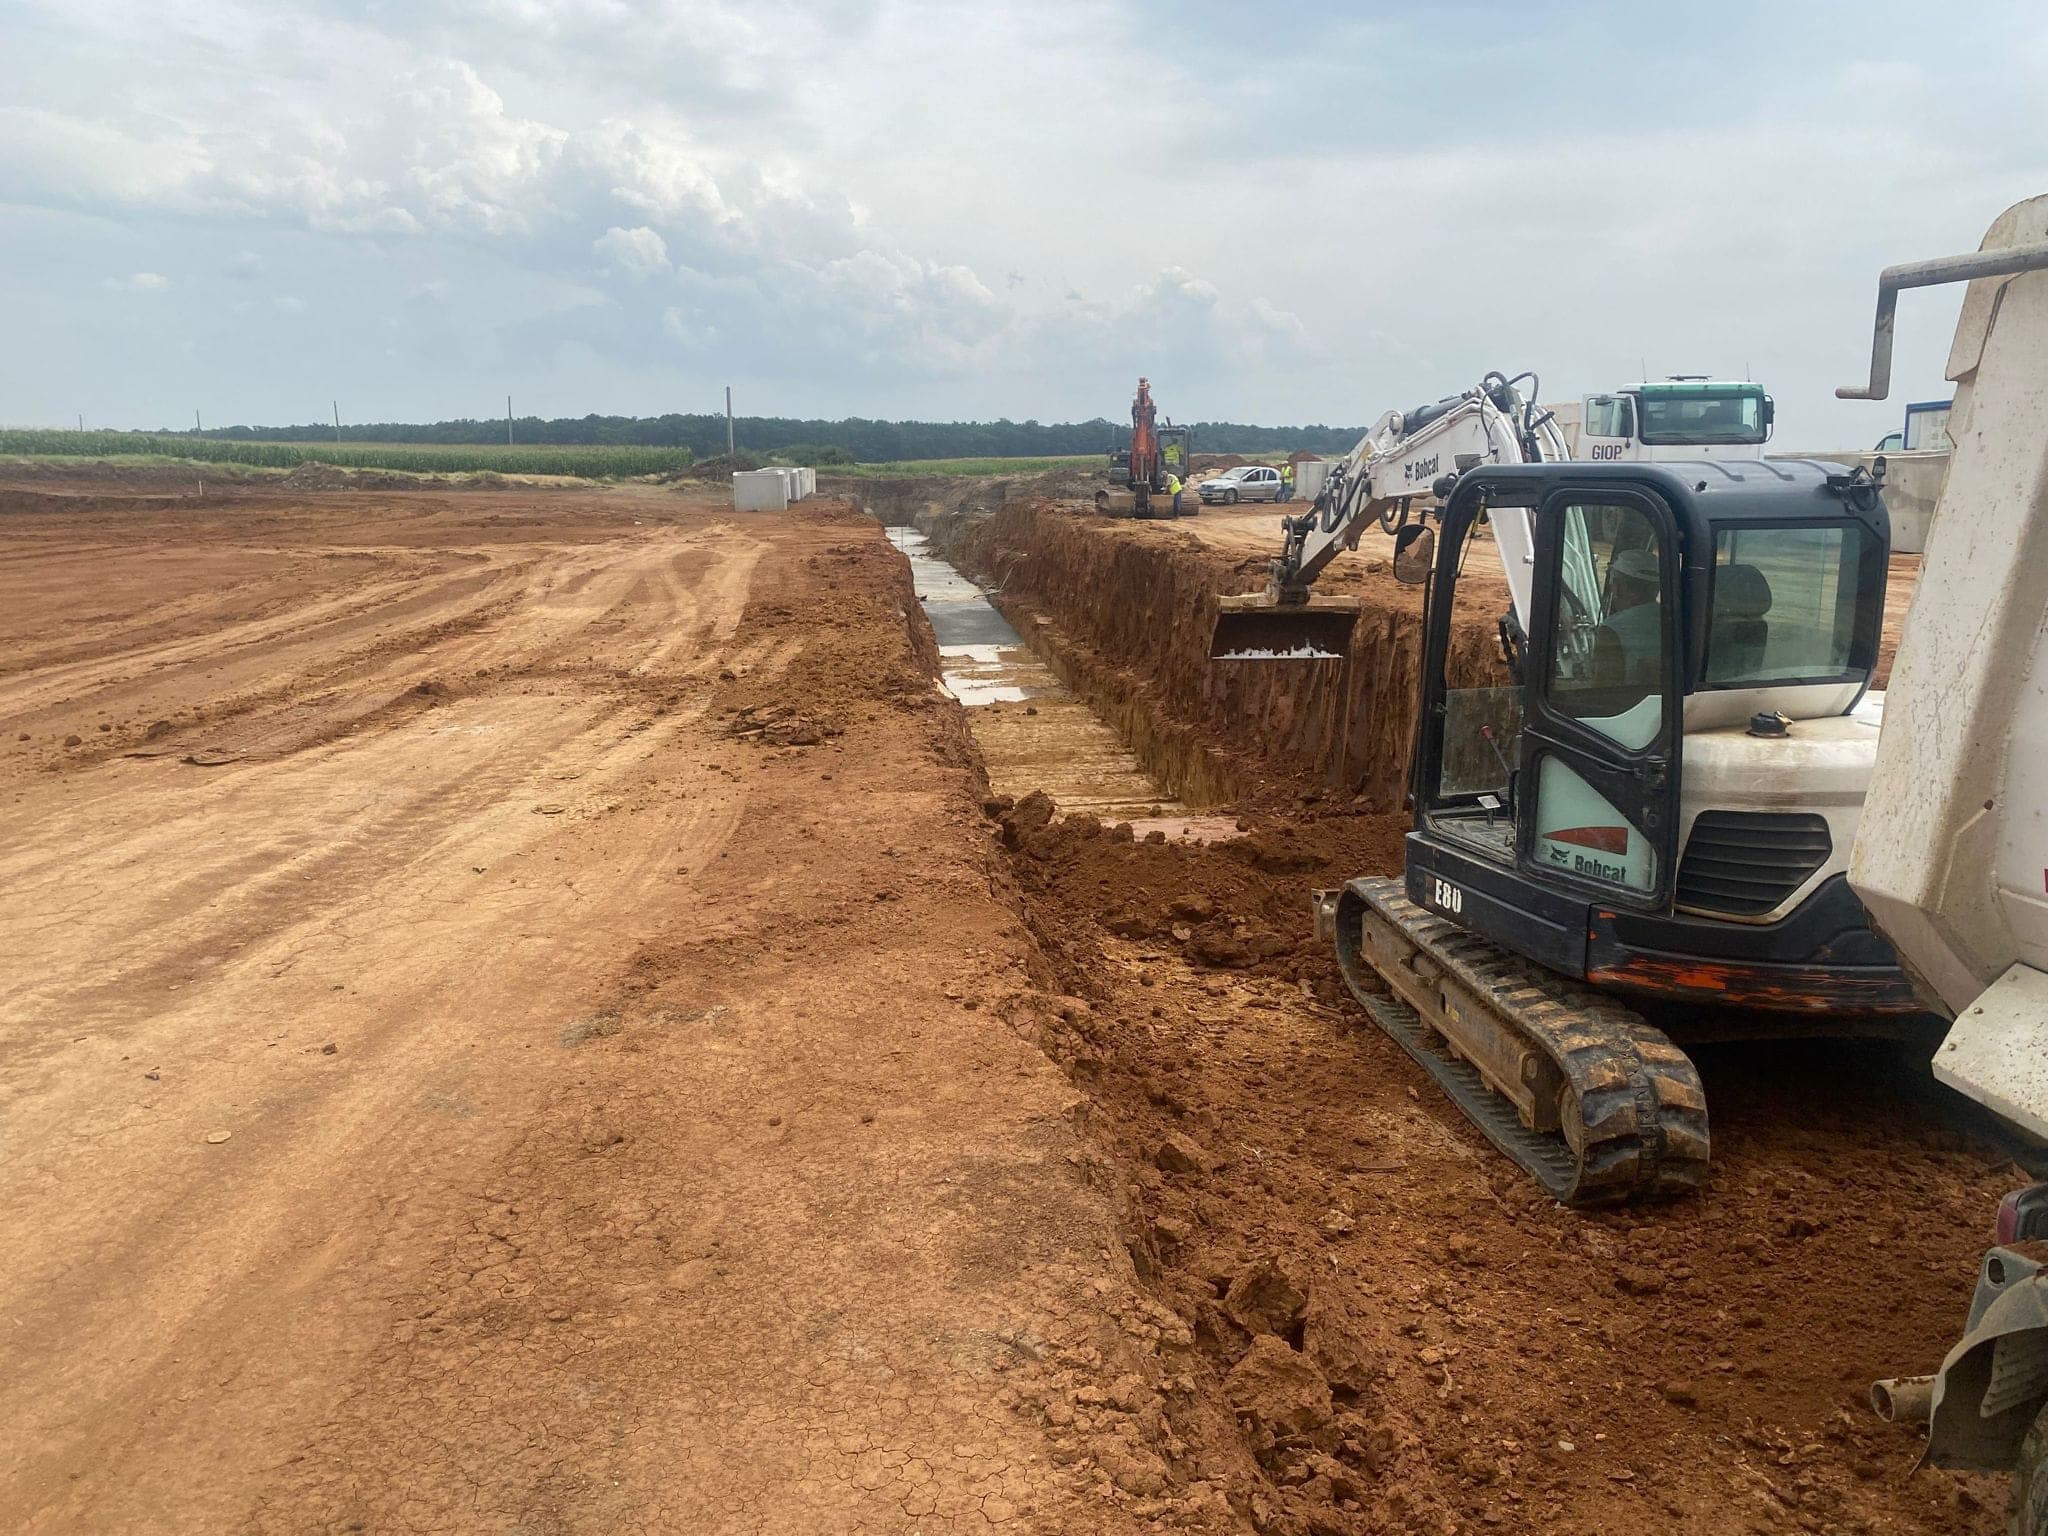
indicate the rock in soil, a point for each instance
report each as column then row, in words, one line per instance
column 1268, row 1296
column 1277, row 1390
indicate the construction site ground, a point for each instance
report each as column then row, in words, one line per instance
column 523, row 1015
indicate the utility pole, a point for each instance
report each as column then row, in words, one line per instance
column 508, row 421
column 196, row 428
column 81, row 421
column 728, row 421
column 337, row 420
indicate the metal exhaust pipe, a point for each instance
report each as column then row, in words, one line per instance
column 1903, row 1399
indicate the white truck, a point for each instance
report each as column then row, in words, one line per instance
column 1684, row 417
column 1951, row 859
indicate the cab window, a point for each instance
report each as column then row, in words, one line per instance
column 1608, row 654
column 1610, row 416
column 1788, row 603
column 1473, row 796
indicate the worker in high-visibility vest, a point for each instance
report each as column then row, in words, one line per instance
column 1287, row 480
column 1173, row 490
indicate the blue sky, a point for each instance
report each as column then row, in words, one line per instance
column 1315, row 213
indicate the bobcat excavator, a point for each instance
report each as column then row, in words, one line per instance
column 1155, row 452
column 1649, row 797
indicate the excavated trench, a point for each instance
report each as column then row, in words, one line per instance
column 1034, row 733
column 1124, row 614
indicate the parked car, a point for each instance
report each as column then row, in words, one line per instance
column 1248, row 482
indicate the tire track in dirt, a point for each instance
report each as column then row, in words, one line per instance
column 232, row 896
column 622, row 1128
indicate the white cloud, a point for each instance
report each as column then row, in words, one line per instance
column 139, row 282
column 633, row 200
column 636, row 252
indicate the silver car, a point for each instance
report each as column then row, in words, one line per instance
column 1248, row 482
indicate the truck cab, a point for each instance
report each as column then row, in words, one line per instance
column 1677, row 419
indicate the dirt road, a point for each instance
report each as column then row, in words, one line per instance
column 502, row 1034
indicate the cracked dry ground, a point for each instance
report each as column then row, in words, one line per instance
column 503, row 1033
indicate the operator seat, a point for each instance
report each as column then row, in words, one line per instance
column 1738, row 632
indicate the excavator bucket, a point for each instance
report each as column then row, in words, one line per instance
column 1125, row 502
column 1254, row 627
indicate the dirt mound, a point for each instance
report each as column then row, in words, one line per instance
column 722, row 467
column 1397, row 1331
column 317, row 475
column 1238, row 905
column 782, row 725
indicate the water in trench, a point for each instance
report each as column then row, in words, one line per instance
column 1034, row 732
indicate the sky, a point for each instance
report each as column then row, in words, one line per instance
column 1310, row 213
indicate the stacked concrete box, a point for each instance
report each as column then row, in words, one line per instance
column 773, row 489
column 760, row 490
column 1309, row 478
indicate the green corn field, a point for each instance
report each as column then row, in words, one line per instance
column 593, row 461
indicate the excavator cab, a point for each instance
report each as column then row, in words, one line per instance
column 1684, row 614
column 1602, row 804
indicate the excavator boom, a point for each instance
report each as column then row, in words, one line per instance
column 1409, row 461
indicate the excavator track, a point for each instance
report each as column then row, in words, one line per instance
column 1610, row 1110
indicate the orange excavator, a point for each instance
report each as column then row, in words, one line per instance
column 1156, row 452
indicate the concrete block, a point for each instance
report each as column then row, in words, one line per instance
column 1912, row 486
column 759, row 490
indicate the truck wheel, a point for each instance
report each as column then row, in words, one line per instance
column 2029, row 1513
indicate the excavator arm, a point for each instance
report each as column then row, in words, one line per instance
column 1407, row 463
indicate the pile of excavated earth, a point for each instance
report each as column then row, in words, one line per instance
column 531, row 1016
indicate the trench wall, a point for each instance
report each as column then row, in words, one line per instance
column 1124, row 613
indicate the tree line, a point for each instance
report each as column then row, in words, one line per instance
column 858, row 439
